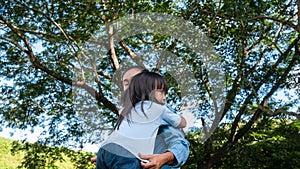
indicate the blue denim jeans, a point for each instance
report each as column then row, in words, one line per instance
column 113, row 156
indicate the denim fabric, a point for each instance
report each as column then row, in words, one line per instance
column 113, row 156
column 172, row 139
column 168, row 139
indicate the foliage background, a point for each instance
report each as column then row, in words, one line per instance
column 258, row 42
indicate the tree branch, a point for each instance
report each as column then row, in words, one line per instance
column 214, row 18
column 194, row 105
column 253, row 68
column 284, row 76
column 137, row 59
column 35, row 32
column 278, row 111
column 235, row 136
column 284, row 22
column 36, row 63
column 112, row 48
column 298, row 24
column 14, row 43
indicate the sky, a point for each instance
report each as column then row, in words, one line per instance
column 17, row 134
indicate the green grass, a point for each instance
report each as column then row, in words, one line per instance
column 9, row 161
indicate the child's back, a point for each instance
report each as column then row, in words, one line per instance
column 137, row 126
column 138, row 132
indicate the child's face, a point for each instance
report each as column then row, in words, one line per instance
column 160, row 96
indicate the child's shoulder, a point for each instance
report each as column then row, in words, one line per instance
column 150, row 104
column 151, row 109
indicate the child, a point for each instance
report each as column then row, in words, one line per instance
column 137, row 126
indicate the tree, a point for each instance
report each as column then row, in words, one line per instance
column 260, row 45
column 44, row 46
column 271, row 144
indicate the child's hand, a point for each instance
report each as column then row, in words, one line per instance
column 189, row 118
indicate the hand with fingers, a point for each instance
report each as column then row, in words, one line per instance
column 93, row 160
column 156, row 161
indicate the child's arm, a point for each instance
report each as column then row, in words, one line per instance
column 169, row 116
column 182, row 123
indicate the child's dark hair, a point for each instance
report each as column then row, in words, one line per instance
column 141, row 88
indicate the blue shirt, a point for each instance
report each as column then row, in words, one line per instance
column 138, row 132
column 172, row 139
column 145, row 124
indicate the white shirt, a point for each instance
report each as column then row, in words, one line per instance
column 137, row 133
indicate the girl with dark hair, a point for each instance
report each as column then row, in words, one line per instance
column 144, row 111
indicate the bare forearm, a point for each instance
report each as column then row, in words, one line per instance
column 157, row 160
column 177, row 145
column 169, row 157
